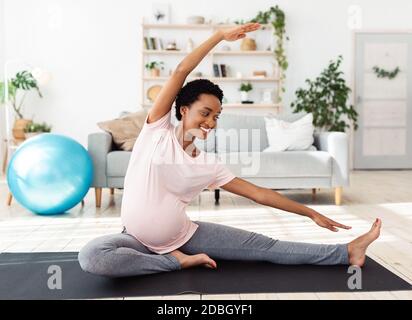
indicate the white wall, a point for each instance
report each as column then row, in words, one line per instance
column 92, row 47
column 2, row 51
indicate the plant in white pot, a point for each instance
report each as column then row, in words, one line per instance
column 18, row 87
column 154, row 67
column 33, row 129
column 244, row 89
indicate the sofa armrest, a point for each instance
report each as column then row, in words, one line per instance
column 99, row 144
column 336, row 143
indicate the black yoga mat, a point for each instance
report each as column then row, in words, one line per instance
column 25, row 276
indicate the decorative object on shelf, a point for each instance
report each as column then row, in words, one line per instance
column 34, row 128
column 171, row 45
column 276, row 17
column 326, row 99
column 267, row 96
column 153, row 91
column 154, row 67
column 195, row 20
column 23, row 81
column 197, row 74
column 239, row 75
column 248, row 44
column 381, row 73
column 225, row 48
column 161, row 13
column 259, row 74
column 189, row 45
column 244, row 92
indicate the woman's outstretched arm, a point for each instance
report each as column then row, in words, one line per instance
column 167, row 95
column 271, row 198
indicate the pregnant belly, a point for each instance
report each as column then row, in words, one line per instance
column 160, row 229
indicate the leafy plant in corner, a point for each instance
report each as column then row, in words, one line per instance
column 381, row 73
column 23, row 81
column 326, row 98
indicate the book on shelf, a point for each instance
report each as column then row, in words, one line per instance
column 146, row 43
column 152, row 43
column 223, row 70
column 216, row 70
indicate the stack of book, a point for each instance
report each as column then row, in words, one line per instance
column 219, row 70
column 153, row 43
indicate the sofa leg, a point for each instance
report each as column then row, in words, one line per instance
column 111, row 191
column 313, row 194
column 98, row 192
column 217, row 196
column 338, row 195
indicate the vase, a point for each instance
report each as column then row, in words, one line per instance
column 18, row 128
column 155, row 72
column 244, row 96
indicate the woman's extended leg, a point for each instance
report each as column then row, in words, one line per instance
column 228, row 243
column 120, row 255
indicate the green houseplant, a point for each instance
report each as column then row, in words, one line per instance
column 18, row 88
column 34, row 128
column 244, row 89
column 154, row 67
column 276, row 17
column 326, row 98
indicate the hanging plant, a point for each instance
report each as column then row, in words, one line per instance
column 276, row 17
column 381, row 73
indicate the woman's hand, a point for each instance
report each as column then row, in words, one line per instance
column 233, row 34
column 327, row 223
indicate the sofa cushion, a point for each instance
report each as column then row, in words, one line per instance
column 284, row 135
column 250, row 131
column 279, row 164
column 125, row 129
column 117, row 162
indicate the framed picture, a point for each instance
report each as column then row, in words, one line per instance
column 160, row 13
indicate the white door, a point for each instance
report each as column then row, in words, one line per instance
column 384, row 136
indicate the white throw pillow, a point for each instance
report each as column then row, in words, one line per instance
column 283, row 135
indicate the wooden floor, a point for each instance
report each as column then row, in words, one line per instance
column 383, row 194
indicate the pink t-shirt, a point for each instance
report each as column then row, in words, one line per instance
column 161, row 180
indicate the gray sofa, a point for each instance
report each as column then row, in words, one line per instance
column 325, row 165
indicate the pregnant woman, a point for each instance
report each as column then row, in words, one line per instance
column 166, row 171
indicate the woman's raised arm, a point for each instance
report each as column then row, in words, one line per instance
column 167, row 95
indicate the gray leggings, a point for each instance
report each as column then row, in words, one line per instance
column 121, row 255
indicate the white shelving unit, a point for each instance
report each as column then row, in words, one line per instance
column 246, row 58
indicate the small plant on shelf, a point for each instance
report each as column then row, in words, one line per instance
column 34, row 128
column 154, row 67
column 244, row 89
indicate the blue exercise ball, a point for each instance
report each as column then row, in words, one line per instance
column 50, row 173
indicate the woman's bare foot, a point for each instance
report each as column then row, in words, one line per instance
column 357, row 247
column 187, row 261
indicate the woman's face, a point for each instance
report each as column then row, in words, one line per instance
column 201, row 117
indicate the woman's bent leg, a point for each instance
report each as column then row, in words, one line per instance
column 228, row 243
column 121, row 255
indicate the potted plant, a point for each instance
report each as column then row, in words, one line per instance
column 22, row 83
column 154, row 67
column 244, row 91
column 34, row 128
column 326, row 98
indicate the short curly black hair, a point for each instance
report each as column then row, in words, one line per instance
column 190, row 92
